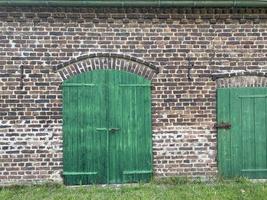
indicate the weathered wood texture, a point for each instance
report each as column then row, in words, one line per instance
column 242, row 149
column 107, row 128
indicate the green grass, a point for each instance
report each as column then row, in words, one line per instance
column 172, row 188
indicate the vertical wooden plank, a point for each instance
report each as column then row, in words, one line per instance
column 110, row 123
column 117, row 135
column 114, row 121
column 100, row 120
column 71, row 112
column 126, row 114
column 130, row 127
column 134, row 125
column 89, row 139
column 260, row 136
column 236, row 131
column 79, row 134
column 79, row 129
column 224, row 136
column 247, row 128
column 66, row 131
column 74, row 131
column 143, row 135
column 84, row 90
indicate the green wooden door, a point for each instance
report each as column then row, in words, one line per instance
column 107, row 128
column 242, row 149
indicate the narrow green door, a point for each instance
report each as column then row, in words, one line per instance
column 242, row 148
column 107, row 128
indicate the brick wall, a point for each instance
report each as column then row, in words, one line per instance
column 47, row 41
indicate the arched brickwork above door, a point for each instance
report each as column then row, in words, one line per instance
column 106, row 61
column 240, row 79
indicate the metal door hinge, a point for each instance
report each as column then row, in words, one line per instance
column 223, row 125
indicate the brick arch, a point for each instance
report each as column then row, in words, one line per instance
column 106, row 61
column 241, row 79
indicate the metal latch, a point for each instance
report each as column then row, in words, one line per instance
column 114, row 129
column 108, row 130
column 223, row 125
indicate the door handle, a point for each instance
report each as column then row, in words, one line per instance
column 113, row 129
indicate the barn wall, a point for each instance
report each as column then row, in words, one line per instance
column 184, row 140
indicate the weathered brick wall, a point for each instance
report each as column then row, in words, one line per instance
column 211, row 41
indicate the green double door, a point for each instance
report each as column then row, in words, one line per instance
column 242, row 148
column 106, row 128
